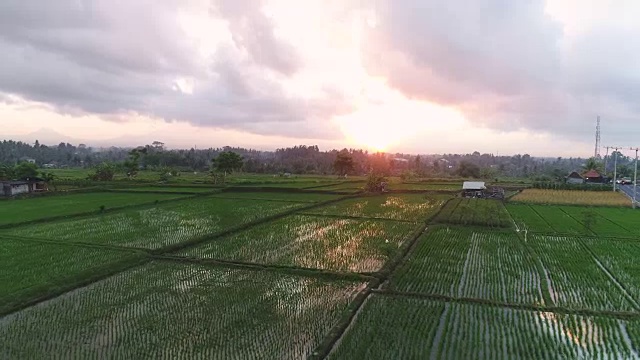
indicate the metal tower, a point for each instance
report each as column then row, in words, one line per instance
column 597, row 151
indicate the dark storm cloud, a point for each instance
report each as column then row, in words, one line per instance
column 507, row 64
column 117, row 57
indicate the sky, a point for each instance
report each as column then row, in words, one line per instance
column 412, row 76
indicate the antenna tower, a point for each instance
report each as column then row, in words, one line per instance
column 597, row 151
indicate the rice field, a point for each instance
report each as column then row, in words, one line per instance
column 277, row 196
column 474, row 212
column 311, row 242
column 577, row 220
column 169, row 189
column 620, row 258
column 427, row 186
column 464, row 263
column 158, row 226
column 168, row 310
column 412, row 207
column 22, row 210
column 572, row 197
column 30, row 269
column 391, row 327
column 576, row 281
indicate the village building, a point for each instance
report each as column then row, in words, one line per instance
column 593, row 177
column 25, row 186
column 574, row 178
column 473, row 189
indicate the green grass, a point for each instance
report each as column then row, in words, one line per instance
column 352, row 187
column 523, row 213
column 21, row 210
column 312, row 242
column 158, row 226
column 280, row 196
column 463, row 263
column 576, row 281
column 475, row 212
column 413, row 207
column 30, row 269
column 168, row 311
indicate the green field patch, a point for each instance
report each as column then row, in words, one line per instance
column 475, row 212
column 408, row 207
column 191, row 189
column 312, row 242
column 403, row 328
column 169, row 310
column 532, row 220
column 30, row 269
column 575, row 279
column 621, row 259
column 280, row 196
column 559, row 220
column 426, row 186
column 626, row 218
column 158, row 226
column 464, row 263
column 597, row 221
column 22, row 210
column 343, row 187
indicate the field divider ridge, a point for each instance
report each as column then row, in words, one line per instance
column 623, row 315
column 76, row 243
column 88, row 214
column 84, row 279
column 234, row 229
column 287, row 269
column 353, row 217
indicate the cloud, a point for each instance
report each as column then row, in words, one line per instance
column 507, row 64
column 118, row 58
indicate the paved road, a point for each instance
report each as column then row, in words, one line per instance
column 628, row 190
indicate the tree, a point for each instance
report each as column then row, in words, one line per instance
column 103, row 172
column 6, row 172
column 468, row 170
column 344, row 162
column 49, row 178
column 226, row 162
column 25, row 170
column 379, row 164
column 591, row 164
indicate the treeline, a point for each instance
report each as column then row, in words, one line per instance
column 296, row 160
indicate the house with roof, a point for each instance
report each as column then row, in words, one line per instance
column 593, row 177
column 574, row 178
column 25, row 186
column 473, row 189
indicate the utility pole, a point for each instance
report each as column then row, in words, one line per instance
column 615, row 165
column 635, row 178
column 606, row 156
column 596, row 153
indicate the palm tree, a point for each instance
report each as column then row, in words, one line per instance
column 591, row 164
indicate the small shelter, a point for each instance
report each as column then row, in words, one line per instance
column 592, row 176
column 574, row 178
column 473, row 189
column 13, row 188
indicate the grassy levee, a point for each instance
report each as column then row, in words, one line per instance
column 281, row 189
column 334, row 336
column 292, row 270
column 133, row 191
column 41, row 294
column 622, row 315
column 84, row 214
